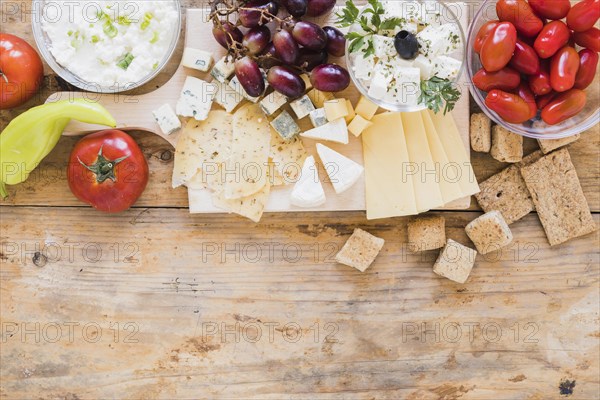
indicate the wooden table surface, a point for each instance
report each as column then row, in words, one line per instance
column 156, row 303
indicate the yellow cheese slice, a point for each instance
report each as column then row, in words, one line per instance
column 389, row 192
column 421, row 169
column 449, row 188
column 456, row 152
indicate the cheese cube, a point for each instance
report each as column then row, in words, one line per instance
column 318, row 117
column 196, row 98
column 358, row 125
column 307, row 81
column 336, row 109
column 379, row 86
column 351, row 112
column 319, row 98
column 366, row 108
column 273, row 102
column 302, row 106
column 363, row 66
column 227, row 97
column 197, row 59
column 425, row 65
column 285, row 126
column 407, row 88
column 223, row 69
column 446, row 67
column 384, row 46
column 166, row 119
column 438, row 40
column 335, row 131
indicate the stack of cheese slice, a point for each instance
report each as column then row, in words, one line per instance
column 414, row 162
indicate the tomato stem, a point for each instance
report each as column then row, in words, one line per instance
column 103, row 168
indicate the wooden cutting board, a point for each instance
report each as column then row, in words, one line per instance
column 135, row 113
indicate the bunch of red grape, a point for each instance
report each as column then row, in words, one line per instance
column 295, row 47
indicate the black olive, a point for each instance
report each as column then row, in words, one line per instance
column 406, row 45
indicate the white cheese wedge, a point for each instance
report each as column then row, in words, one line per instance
column 334, row 131
column 196, row 98
column 342, row 171
column 446, row 67
column 223, row 69
column 308, row 191
column 166, row 119
column 197, row 59
column 226, row 97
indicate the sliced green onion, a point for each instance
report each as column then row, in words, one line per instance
column 95, row 39
column 155, row 65
column 125, row 61
column 124, row 20
column 155, row 37
column 109, row 29
column 70, row 33
column 147, row 18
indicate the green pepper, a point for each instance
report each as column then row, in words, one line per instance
column 32, row 135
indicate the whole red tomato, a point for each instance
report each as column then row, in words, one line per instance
column 498, row 47
column 483, row 33
column 563, row 69
column 520, row 15
column 505, row 79
column 540, row 83
column 589, row 39
column 542, row 101
column 21, row 71
column 107, row 170
column 552, row 37
column 583, row 15
column 525, row 59
column 588, row 63
column 526, row 94
column 564, row 106
column 551, row 9
column 509, row 106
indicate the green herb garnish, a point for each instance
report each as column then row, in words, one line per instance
column 95, row 39
column 155, row 65
column 123, row 20
column 125, row 61
column 437, row 92
column 147, row 18
column 155, row 37
column 109, row 29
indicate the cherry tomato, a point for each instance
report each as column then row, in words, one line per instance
column 583, row 15
column 588, row 62
column 21, row 71
column 525, row 59
column 526, row 94
column 564, row 106
column 509, row 106
column 540, row 83
column 107, row 170
column 498, row 47
column 542, row 101
column 505, row 79
column 552, row 37
column 589, row 39
column 520, row 15
column 551, row 9
column 483, row 33
column 563, row 69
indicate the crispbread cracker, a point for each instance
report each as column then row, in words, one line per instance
column 549, row 145
column 489, row 232
column 559, row 200
column 455, row 262
column 481, row 133
column 506, row 145
column 360, row 250
column 426, row 233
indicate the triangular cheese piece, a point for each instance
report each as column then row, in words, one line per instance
column 343, row 172
column 308, row 191
column 335, row 131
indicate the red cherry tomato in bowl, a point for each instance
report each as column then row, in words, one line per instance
column 483, row 33
column 525, row 59
column 589, row 39
column 107, row 170
column 509, row 106
column 498, row 47
column 588, row 63
column 505, row 79
column 526, row 94
column 21, row 71
column 540, row 83
column 583, row 15
column 564, row 106
column 520, row 15
column 551, row 9
column 552, row 37
column 542, row 101
column 563, row 69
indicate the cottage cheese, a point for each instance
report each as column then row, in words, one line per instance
column 112, row 43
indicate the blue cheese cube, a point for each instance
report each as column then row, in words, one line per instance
column 446, row 67
column 302, row 106
column 318, row 117
column 273, row 102
column 196, row 99
column 197, row 59
column 285, row 126
column 439, row 40
column 223, row 69
column 226, row 97
column 166, row 119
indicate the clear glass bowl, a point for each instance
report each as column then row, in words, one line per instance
column 43, row 43
column 447, row 14
column 534, row 128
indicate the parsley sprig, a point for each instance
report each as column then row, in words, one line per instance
column 371, row 22
column 437, row 92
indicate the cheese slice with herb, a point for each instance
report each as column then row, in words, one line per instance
column 421, row 168
column 287, row 157
column 389, row 191
column 245, row 169
column 308, row 191
column 342, row 171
